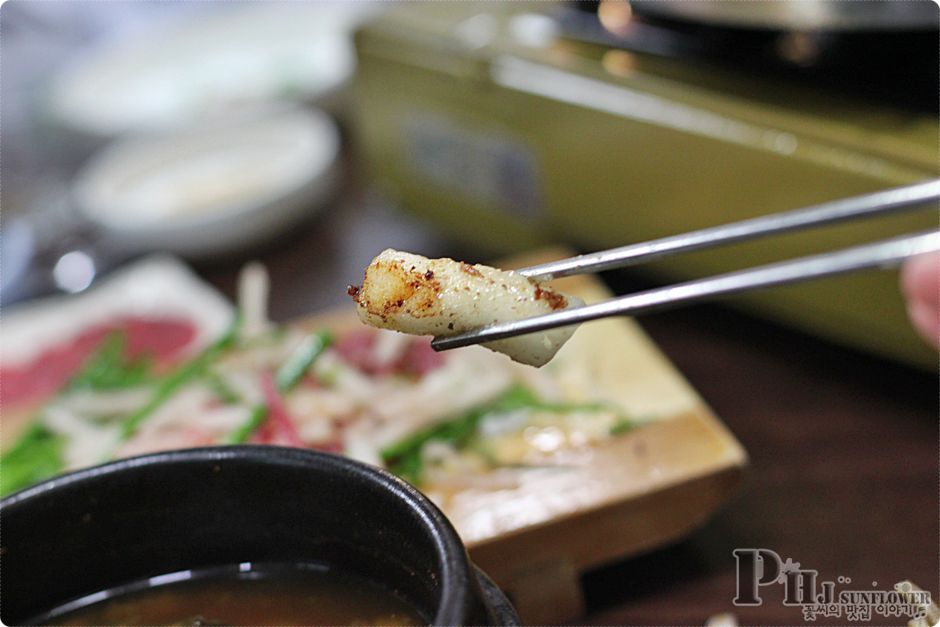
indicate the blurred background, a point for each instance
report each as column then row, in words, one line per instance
column 313, row 135
column 212, row 130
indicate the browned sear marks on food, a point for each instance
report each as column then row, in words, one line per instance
column 468, row 269
column 391, row 286
column 554, row 299
column 353, row 290
column 425, row 289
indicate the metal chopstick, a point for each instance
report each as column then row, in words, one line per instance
column 884, row 254
column 869, row 205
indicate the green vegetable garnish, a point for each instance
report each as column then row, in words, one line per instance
column 300, row 360
column 458, row 430
column 221, row 389
column 166, row 387
column 286, row 377
column 108, row 369
column 404, row 457
column 37, row 455
column 623, row 425
column 244, row 431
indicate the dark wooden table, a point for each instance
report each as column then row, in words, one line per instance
column 844, row 447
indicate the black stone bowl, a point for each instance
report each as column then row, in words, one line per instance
column 101, row 528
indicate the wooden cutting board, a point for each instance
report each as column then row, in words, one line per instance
column 635, row 492
column 640, row 490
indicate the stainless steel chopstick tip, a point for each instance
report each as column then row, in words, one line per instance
column 884, row 254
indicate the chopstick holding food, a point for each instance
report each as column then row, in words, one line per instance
column 885, row 254
column 513, row 313
column 441, row 297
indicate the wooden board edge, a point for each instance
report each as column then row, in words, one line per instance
column 569, row 547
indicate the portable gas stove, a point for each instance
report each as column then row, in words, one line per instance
column 600, row 124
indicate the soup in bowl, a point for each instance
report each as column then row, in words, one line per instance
column 236, row 535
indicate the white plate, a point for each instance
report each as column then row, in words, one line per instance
column 236, row 57
column 214, row 190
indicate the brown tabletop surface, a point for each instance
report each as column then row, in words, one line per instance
column 844, row 447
